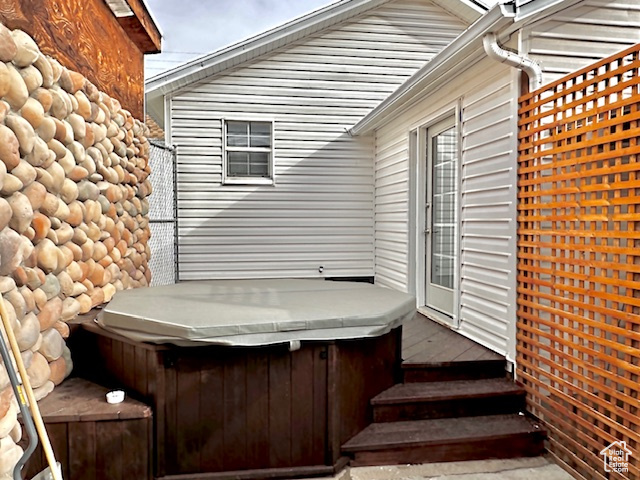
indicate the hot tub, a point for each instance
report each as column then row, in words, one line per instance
column 249, row 378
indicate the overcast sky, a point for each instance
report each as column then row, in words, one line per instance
column 192, row 28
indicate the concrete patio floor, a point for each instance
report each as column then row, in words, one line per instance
column 510, row 469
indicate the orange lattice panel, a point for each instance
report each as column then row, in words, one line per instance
column 579, row 261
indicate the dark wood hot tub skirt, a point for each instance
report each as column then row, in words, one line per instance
column 245, row 412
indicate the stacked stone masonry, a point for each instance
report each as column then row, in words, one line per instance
column 73, row 212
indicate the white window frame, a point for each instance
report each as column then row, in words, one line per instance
column 231, row 180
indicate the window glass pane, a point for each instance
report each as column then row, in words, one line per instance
column 260, row 141
column 236, row 141
column 260, row 128
column 238, row 164
column 259, row 165
column 260, row 134
column 238, row 128
column 237, row 134
column 443, row 229
column 248, row 164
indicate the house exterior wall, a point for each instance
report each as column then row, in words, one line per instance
column 488, row 214
column 485, row 100
column 581, row 35
column 320, row 210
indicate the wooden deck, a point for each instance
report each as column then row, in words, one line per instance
column 427, row 342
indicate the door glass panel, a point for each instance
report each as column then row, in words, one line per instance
column 443, row 217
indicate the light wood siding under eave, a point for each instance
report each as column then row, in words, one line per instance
column 320, row 211
column 581, row 35
column 488, row 199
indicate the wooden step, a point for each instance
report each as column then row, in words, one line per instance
column 445, row 371
column 446, row 440
column 460, row 398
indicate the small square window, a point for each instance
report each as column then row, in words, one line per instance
column 248, row 152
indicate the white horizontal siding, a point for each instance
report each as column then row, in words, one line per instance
column 391, row 209
column 488, row 199
column 581, row 35
column 488, row 214
column 320, row 210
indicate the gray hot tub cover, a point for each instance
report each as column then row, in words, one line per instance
column 255, row 312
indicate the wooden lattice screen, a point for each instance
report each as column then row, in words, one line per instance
column 579, row 262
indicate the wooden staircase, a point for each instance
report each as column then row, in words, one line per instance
column 448, row 411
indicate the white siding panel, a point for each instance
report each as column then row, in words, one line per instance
column 320, row 212
column 487, row 300
column 581, row 35
column 488, row 242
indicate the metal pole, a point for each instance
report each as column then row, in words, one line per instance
column 16, row 384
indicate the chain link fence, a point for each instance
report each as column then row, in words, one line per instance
column 162, row 215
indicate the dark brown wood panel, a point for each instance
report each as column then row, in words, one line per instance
column 302, row 408
column 109, row 450
column 211, row 397
column 82, row 444
column 320, row 408
column 93, row 439
column 137, row 463
column 280, row 411
column 188, row 399
column 366, row 368
column 85, row 37
column 261, row 409
column 258, row 411
column 235, row 428
column 171, row 413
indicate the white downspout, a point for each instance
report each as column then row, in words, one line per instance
column 530, row 67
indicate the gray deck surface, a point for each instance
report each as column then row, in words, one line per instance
column 426, row 341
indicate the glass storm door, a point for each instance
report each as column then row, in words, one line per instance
column 441, row 219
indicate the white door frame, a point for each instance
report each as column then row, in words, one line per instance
column 418, row 172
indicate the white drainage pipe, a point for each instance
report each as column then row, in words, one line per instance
column 531, row 68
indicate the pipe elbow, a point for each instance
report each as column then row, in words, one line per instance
column 496, row 52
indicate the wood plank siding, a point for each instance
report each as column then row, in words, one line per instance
column 487, row 106
column 320, row 210
column 582, row 34
column 87, row 37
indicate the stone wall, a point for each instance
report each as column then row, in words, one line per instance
column 73, row 211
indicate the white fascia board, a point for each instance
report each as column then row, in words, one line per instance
column 194, row 70
column 457, row 55
column 466, row 10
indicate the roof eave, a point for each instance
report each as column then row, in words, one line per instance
column 176, row 78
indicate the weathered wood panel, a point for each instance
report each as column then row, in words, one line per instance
column 86, row 37
column 579, row 263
